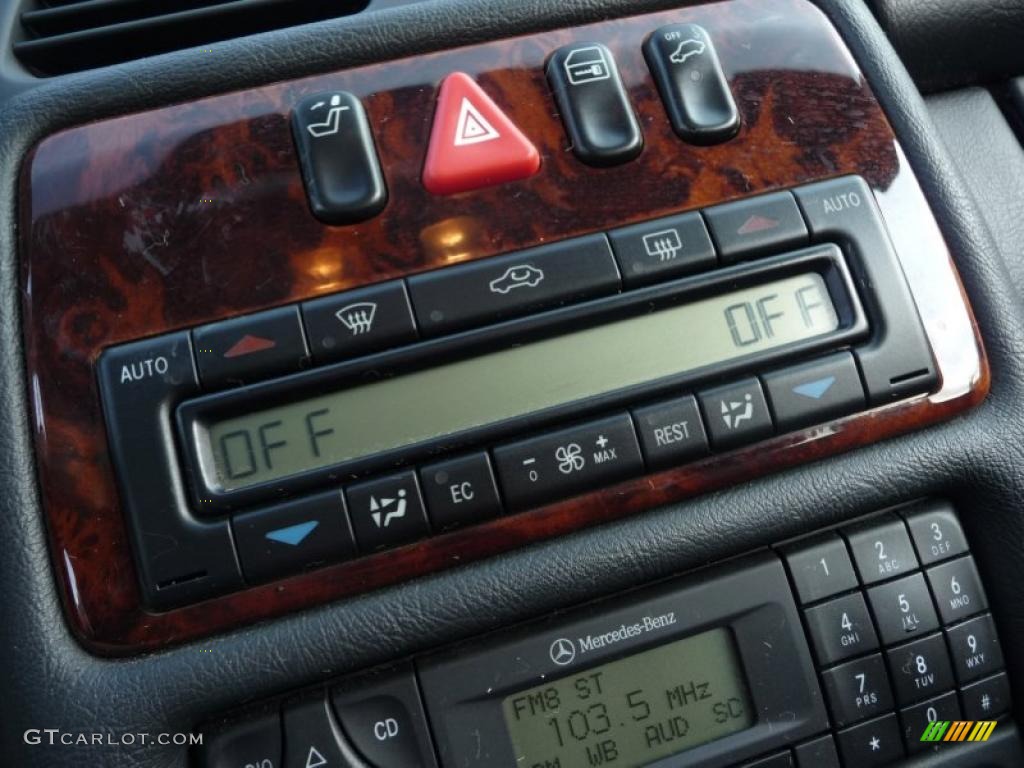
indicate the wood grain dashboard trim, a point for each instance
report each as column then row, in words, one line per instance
column 163, row 220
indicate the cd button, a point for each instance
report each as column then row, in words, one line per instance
column 515, row 284
column 248, row 348
column 545, row 468
column 384, row 720
column 359, row 322
column 387, row 512
column 736, row 414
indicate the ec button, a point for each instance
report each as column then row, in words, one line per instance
column 460, row 491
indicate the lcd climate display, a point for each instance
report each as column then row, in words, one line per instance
column 335, row 427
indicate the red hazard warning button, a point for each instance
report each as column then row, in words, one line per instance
column 473, row 143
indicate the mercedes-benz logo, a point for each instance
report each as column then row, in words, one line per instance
column 562, row 651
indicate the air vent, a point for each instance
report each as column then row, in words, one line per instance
column 70, row 35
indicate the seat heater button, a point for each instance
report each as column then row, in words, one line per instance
column 338, row 159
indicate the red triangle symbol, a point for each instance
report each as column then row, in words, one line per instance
column 757, row 223
column 249, row 344
column 473, row 144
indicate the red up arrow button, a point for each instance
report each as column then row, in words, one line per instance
column 473, row 143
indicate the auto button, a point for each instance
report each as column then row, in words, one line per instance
column 508, row 286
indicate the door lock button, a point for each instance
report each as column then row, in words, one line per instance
column 594, row 105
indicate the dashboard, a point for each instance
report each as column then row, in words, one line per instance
column 595, row 384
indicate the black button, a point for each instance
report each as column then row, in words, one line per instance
column 897, row 362
column 384, row 720
column 986, row 699
column 693, row 86
column 916, row 719
column 920, row 669
column 252, row 742
column 936, row 532
column 815, row 392
column 595, row 109
column 663, row 248
column 387, row 511
column 294, row 536
column 975, row 648
column 957, row 589
column 820, row 753
column 876, row 742
column 338, row 159
column 752, row 227
column 179, row 558
column 460, row 491
column 515, row 284
column 881, row 549
column 857, row 689
column 903, row 609
column 736, row 414
column 311, row 737
column 244, row 349
column 781, row 760
column 358, row 322
column 820, row 567
column 841, row 628
column 671, row 432
column 558, row 464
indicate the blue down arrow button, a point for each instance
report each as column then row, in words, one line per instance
column 293, row 534
column 815, row 389
column 814, row 392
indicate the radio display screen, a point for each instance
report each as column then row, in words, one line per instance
column 340, row 426
column 636, row 710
